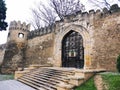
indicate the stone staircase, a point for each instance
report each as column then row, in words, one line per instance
column 54, row 78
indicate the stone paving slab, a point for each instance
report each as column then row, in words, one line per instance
column 13, row 85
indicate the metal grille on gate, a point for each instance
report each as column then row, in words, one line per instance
column 72, row 50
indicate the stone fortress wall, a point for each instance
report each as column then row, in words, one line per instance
column 40, row 50
column 106, row 37
column 15, row 47
column 102, row 37
column 100, row 31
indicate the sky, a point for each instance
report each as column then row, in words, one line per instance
column 16, row 10
column 20, row 10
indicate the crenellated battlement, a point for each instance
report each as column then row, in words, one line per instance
column 82, row 18
column 114, row 8
column 41, row 31
column 18, row 25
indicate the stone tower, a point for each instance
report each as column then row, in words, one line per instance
column 18, row 32
column 15, row 48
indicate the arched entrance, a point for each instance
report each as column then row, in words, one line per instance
column 72, row 50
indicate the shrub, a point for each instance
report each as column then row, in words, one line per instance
column 118, row 63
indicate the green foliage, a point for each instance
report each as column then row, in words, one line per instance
column 89, row 85
column 112, row 81
column 118, row 63
column 6, row 77
column 3, row 9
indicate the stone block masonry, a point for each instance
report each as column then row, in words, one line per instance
column 100, row 31
column 40, row 50
column 106, row 41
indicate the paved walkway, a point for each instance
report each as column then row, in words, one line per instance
column 13, row 85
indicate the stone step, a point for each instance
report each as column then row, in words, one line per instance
column 42, row 79
column 64, row 86
column 60, row 86
column 38, row 84
column 19, row 74
column 47, row 76
column 76, row 82
column 60, row 70
column 54, row 81
column 47, row 84
column 63, row 73
column 76, row 77
column 50, row 78
column 32, row 85
column 50, row 73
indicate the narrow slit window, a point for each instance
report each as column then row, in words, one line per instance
column 9, row 34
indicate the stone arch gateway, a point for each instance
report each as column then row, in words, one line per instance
column 86, row 44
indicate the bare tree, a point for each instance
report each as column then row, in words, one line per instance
column 101, row 3
column 55, row 9
column 42, row 16
column 35, row 20
column 66, row 7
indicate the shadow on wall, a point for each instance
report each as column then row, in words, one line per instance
column 1, row 56
column 2, row 51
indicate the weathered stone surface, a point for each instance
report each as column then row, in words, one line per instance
column 106, row 42
column 2, row 52
column 13, row 58
column 40, row 50
column 101, row 40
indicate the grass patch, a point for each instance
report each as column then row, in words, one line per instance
column 112, row 80
column 89, row 85
column 6, row 77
